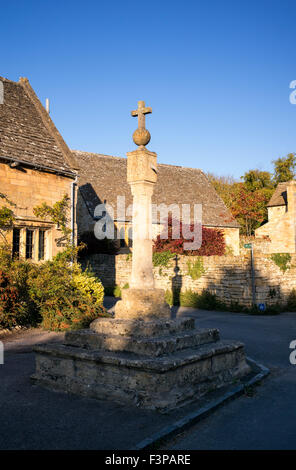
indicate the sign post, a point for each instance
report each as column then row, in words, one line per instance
column 249, row 246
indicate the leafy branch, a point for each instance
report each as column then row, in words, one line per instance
column 58, row 214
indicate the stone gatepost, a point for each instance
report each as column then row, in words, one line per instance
column 142, row 300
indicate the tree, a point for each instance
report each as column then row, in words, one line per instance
column 249, row 207
column 223, row 186
column 58, row 213
column 284, row 168
column 256, row 179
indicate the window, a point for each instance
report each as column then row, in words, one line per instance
column 16, row 243
column 130, row 237
column 41, row 245
column 29, row 243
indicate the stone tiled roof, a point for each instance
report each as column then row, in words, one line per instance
column 279, row 197
column 103, row 177
column 27, row 133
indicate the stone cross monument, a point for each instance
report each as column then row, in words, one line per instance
column 141, row 356
column 142, row 300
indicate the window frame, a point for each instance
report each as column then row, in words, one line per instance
column 43, row 251
column 31, row 245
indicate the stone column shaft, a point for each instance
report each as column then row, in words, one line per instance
column 142, row 267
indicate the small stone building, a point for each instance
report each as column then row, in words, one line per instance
column 36, row 166
column 280, row 228
column 102, row 178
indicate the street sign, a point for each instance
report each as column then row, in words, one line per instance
column 262, row 307
column 248, row 245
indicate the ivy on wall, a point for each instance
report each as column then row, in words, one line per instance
column 162, row 258
column 196, row 268
column 282, row 260
column 6, row 216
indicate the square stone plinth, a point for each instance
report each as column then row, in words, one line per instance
column 156, row 365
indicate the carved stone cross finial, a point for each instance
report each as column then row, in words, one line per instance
column 141, row 136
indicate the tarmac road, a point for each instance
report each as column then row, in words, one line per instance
column 35, row 418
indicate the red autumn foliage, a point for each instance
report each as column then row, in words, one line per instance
column 9, row 302
column 213, row 242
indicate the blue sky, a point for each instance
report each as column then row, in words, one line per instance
column 216, row 75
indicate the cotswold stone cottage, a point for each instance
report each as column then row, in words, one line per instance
column 102, row 178
column 280, row 228
column 37, row 166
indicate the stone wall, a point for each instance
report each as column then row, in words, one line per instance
column 229, row 277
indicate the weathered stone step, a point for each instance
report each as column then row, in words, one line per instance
column 156, row 382
column 141, row 328
column 155, row 346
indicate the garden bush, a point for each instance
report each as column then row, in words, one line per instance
column 88, row 284
column 189, row 299
column 19, row 309
column 56, row 293
column 9, row 301
column 67, row 297
column 206, row 300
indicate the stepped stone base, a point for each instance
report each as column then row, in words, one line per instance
column 160, row 364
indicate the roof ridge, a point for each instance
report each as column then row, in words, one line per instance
column 97, row 154
column 180, row 166
column 123, row 158
column 49, row 124
column 3, row 79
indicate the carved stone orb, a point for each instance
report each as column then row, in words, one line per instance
column 141, row 136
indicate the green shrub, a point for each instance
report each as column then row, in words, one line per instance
column 117, row 289
column 66, row 297
column 282, row 260
column 22, row 272
column 189, row 299
column 208, row 301
column 196, row 268
column 168, row 296
column 274, row 309
column 90, row 286
column 69, row 314
column 17, row 274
